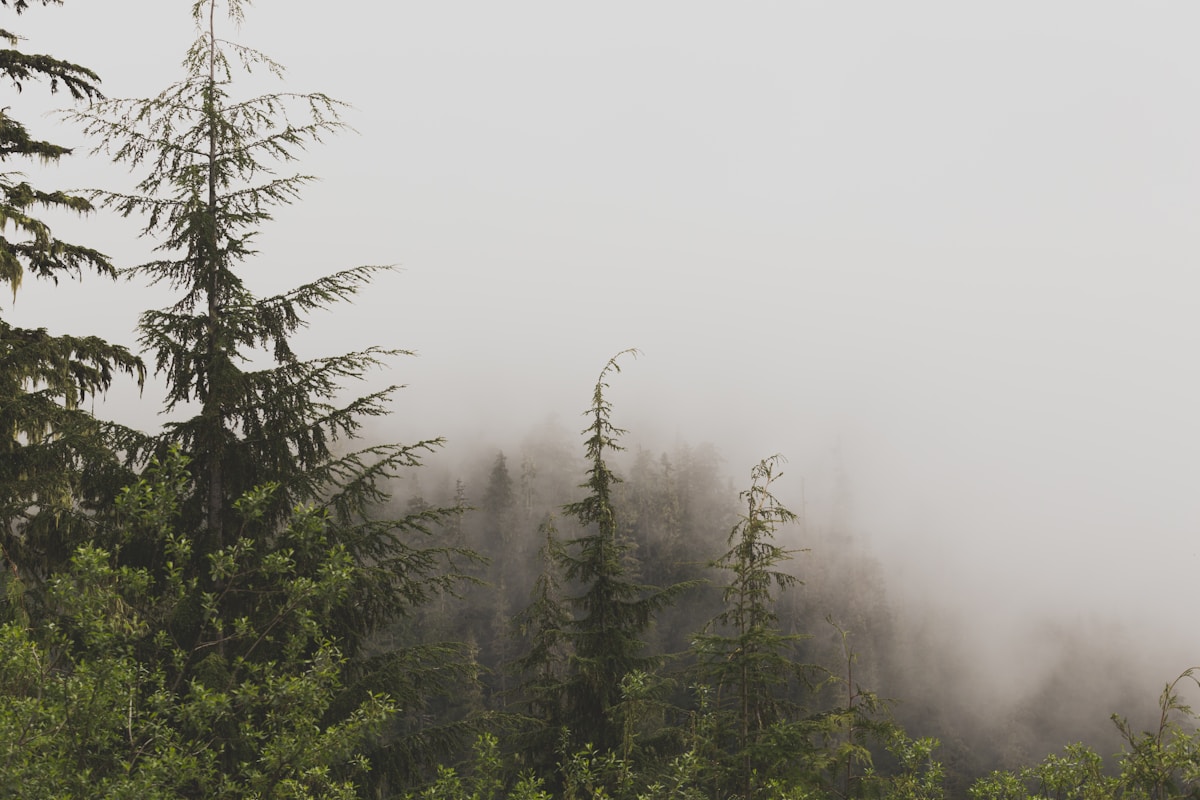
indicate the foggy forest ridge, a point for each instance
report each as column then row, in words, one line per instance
column 940, row 259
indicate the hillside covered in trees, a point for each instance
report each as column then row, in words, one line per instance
column 257, row 600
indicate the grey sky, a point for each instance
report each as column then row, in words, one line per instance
column 948, row 246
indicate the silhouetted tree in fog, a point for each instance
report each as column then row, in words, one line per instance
column 743, row 655
column 611, row 612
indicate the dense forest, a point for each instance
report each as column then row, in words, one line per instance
column 259, row 600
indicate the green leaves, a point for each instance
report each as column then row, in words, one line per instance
column 95, row 704
column 1156, row 764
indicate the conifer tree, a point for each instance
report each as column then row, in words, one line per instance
column 742, row 653
column 654, row 515
column 55, row 459
column 211, row 181
column 527, row 488
column 213, row 170
column 613, row 611
column 542, row 627
column 499, row 507
column 498, row 510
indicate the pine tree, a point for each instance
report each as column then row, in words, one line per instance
column 542, row 628
column 56, row 461
column 498, row 511
column 213, row 166
column 653, row 515
column 527, row 487
column 742, row 653
column 499, row 508
column 613, row 611
column 212, row 180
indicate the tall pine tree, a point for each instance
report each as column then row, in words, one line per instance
column 212, row 178
column 612, row 611
column 743, row 655
column 213, row 165
column 541, row 629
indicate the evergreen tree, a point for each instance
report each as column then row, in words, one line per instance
column 612, row 612
column 212, row 180
column 212, row 163
column 742, row 652
column 652, row 518
column 528, row 488
column 499, row 507
column 501, row 544
column 56, row 461
column 542, row 628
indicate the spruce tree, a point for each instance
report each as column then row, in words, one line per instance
column 542, row 629
column 500, row 543
column 742, row 653
column 612, row 611
column 213, row 167
column 212, row 178
column 56, row 461
column 499, row 509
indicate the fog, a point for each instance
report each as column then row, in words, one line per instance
column 940, row 256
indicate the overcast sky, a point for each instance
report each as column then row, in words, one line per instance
column 946, row 248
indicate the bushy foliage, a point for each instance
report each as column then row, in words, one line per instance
column 99, row 697
column 1158, row 764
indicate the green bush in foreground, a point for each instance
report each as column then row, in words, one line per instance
column 96, row 700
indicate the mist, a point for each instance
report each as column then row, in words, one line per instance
column 940, row 257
